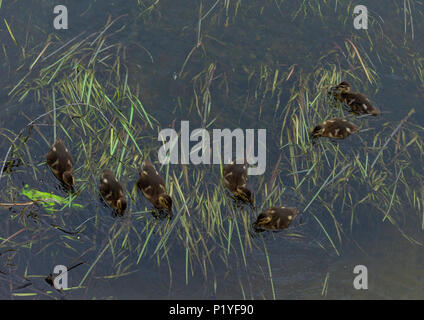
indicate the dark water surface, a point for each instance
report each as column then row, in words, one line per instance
column 245, row 42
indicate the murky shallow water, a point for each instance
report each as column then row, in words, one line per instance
column 239, row 38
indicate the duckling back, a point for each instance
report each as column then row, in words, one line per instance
column 112, row 191
column 276, row 218
column 235, row 176
column 150, row 181
column 153, row 187
column 358, row 103
column 336, row 128
column 60, row 162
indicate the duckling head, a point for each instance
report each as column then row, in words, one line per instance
column 121, row 205
column 165, row 201
column 316, row 132
column 68, row 178
column 342, row 87
column 262, row 220
column 245, row 194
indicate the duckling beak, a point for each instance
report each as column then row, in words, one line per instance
column 332, row 90
column 256, row 228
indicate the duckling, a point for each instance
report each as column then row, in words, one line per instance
column 60, row 162
column 334, row 128
column 153, row 187
column 357, row 102
column 235, row 179
column 112, row 192
column 275, row 218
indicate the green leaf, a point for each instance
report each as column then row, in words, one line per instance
column 48, row 200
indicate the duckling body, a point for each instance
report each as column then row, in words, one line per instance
column 113, row 192
column 235, row 179
column 275, row 218
column 355, row 101
column 153, row 187
column 336, row 128
column 60, row 162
